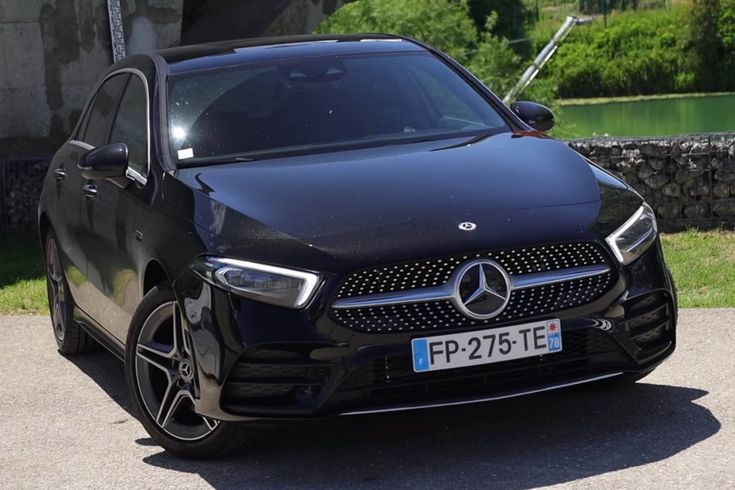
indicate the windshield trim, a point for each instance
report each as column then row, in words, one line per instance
column 473, row 135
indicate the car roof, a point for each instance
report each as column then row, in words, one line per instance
column 229, row 53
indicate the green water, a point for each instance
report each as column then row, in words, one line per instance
column 659, row 117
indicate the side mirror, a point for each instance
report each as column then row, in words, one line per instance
column 535, row 115
column 105, row 162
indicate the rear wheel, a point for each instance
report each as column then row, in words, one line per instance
column 70, row 337
column 161, row 375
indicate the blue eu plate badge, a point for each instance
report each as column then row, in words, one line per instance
column 420, row 355
column 553, row 335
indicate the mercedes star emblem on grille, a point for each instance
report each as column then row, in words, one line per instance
column 482, row 289
column 467, row 226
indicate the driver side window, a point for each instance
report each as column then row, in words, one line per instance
column 131, row 125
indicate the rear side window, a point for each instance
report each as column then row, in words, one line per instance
column 97, row 125
column 131, row 126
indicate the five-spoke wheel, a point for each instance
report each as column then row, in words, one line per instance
column 164, row 372
column 161, row 371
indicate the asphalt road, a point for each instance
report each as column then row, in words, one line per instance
column 66, row 423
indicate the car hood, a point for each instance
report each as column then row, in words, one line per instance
column 403, row 201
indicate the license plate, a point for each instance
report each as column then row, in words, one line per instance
column 486, row 346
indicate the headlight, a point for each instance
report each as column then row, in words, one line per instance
column 635, row 236
column 260, row 282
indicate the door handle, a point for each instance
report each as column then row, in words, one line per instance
column 59, row 174
column 90, row 191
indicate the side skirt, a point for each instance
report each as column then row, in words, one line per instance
column 98, row 333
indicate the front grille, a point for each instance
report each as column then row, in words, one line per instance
column 434, row 272
column 438, row 315
column 393, row 379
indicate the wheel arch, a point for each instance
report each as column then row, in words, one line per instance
column 154, row 274
column 44, row 225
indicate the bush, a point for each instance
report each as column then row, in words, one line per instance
column 639, row 53
column 444, row 24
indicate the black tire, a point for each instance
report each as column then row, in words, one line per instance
column 180, row 431
column 71, row 339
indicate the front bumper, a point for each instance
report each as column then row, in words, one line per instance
column 259, row 361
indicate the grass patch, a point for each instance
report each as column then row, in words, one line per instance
column 703, row 265
column 22, row 282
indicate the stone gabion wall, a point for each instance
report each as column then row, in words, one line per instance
column 20, row 186
column 689, row 180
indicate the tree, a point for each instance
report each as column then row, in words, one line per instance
column 708, row 47
column 511, row 20
column 726, row 29
column 445, row 24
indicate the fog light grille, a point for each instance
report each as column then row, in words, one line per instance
column 265, row 377
column 649, row 323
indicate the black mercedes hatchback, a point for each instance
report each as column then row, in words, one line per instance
column 292, row 228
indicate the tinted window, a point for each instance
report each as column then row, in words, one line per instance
column 101, row 113
column 322, row 102
column 130, row 125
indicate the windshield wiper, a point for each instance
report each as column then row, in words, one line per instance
column 195, row 162
column 475, row 139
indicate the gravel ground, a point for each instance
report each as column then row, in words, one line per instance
column 67, row 423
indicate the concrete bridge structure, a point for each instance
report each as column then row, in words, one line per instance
column 53, row 51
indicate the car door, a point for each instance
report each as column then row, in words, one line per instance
column 66, row 215
column 109, row 216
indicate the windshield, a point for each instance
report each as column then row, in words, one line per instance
column 319, row 104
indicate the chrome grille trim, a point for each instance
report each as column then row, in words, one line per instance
column 447, row 291
column 523, row 281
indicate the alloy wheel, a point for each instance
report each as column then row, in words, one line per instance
column 56, row 289
column 165, row 375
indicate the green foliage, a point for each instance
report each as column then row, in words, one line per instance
column 493, row 61
column 712, row 31
column 22, row 280
column 600, row 6
column 726, row 29
column 682, row 48
column 639, row 53
column 444, row 24
column 512, row 15
column 671, row 50
column 441, row 23
column 699, row 261
column 706, row 43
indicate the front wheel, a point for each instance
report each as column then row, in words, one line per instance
column 161, row 377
